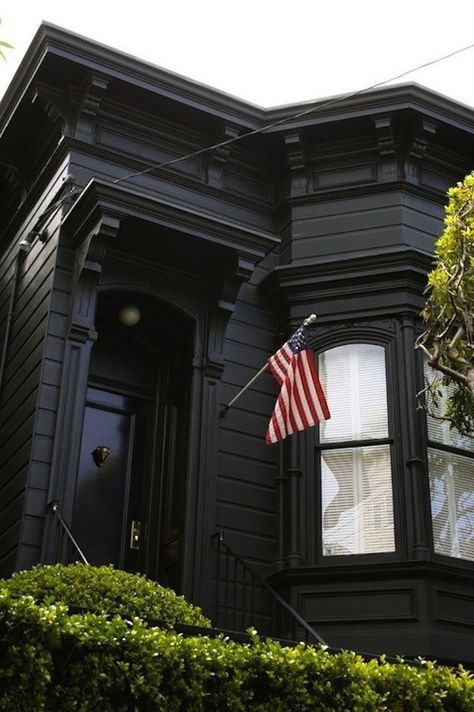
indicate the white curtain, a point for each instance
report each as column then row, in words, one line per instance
column 356, row 482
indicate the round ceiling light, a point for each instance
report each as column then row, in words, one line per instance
column 129, row 315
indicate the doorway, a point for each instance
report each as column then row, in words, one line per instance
column 129, row 498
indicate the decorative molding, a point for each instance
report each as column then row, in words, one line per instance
column 418, row 143
column 388, row 165
column 86, row 102
column 76, row 110
column 219, row 157
column 95, row 217
column 92, row 248
column 56, row 106
column 295, row 153
column 62, row 46
column 183, row 289
column 359, row 279
column 103, row 197
column 14, row 171
column 221, row 309
column 90, row 252
column 81, row 334
column 375, row 331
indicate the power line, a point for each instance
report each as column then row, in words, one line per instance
column 293, row 117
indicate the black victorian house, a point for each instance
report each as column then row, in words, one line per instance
column 136, row 301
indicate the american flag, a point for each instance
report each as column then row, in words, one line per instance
column 301, row 402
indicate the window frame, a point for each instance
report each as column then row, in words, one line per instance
column 442, row 447
column 315, row 554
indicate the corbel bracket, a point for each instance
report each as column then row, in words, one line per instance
column 77, row 110
column 223, row 300
column 418, row 143
column 388, row 168
column 89, row 260
column 14, row 170
column 295, row 152
column 219, row 157
column 93, row 246
column 86, row 101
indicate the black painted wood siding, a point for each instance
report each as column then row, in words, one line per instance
column 22, row 491
column 246, row 494
column 375, row 221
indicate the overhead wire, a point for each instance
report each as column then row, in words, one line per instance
column 292, row 117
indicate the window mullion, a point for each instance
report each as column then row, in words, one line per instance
column 354, row 443
column 452, row 514
column 356, row 479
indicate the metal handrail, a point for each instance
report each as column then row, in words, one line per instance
column 272, row 593
column 53, row 506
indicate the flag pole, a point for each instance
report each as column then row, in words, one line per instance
column 307, row 322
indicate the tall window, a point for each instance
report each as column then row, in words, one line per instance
column 451, row 473
column 356, row 478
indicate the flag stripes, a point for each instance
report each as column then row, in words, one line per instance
column 301, row 402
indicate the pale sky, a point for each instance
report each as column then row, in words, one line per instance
column 269, row 52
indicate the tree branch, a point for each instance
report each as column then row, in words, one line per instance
column 433, row 361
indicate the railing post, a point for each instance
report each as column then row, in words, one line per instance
column 257, row 583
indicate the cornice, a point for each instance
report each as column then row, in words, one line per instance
column 93, row 56
column 378, row 101
column 101, row 198
column 349, row 275
column 347, row 263
column 53, row 41
column 173, row 177
column 362, row 189
column 459, row 572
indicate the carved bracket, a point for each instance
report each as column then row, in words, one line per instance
column 220, row 156
column 76, row 110
column 90, row 256
column 418, row 144
column 86, row 103
column 387, row 148
column 221, row 309
column 14, row 170
column 93, row 246
column 297, row 163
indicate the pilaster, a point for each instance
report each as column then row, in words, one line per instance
column 419, row 511
column 89, row 251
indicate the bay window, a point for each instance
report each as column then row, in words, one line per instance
column 355, row 453
column 451, row 475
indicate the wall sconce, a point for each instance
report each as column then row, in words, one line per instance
column 129, row 315
column 100, row 454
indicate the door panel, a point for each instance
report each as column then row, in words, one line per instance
column 102, row 510
column 138, row 406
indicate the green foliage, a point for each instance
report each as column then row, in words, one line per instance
column 4, row 44
column 448, row 339
column 52, row 661
column 454, row 252
column 105, row 590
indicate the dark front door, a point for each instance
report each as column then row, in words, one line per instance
column 108, row 515
column 129, row 505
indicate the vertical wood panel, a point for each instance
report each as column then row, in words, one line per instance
column 19, row 396
column 246, row 503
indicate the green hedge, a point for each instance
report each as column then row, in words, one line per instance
column 105, row 590
column 53, row 661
